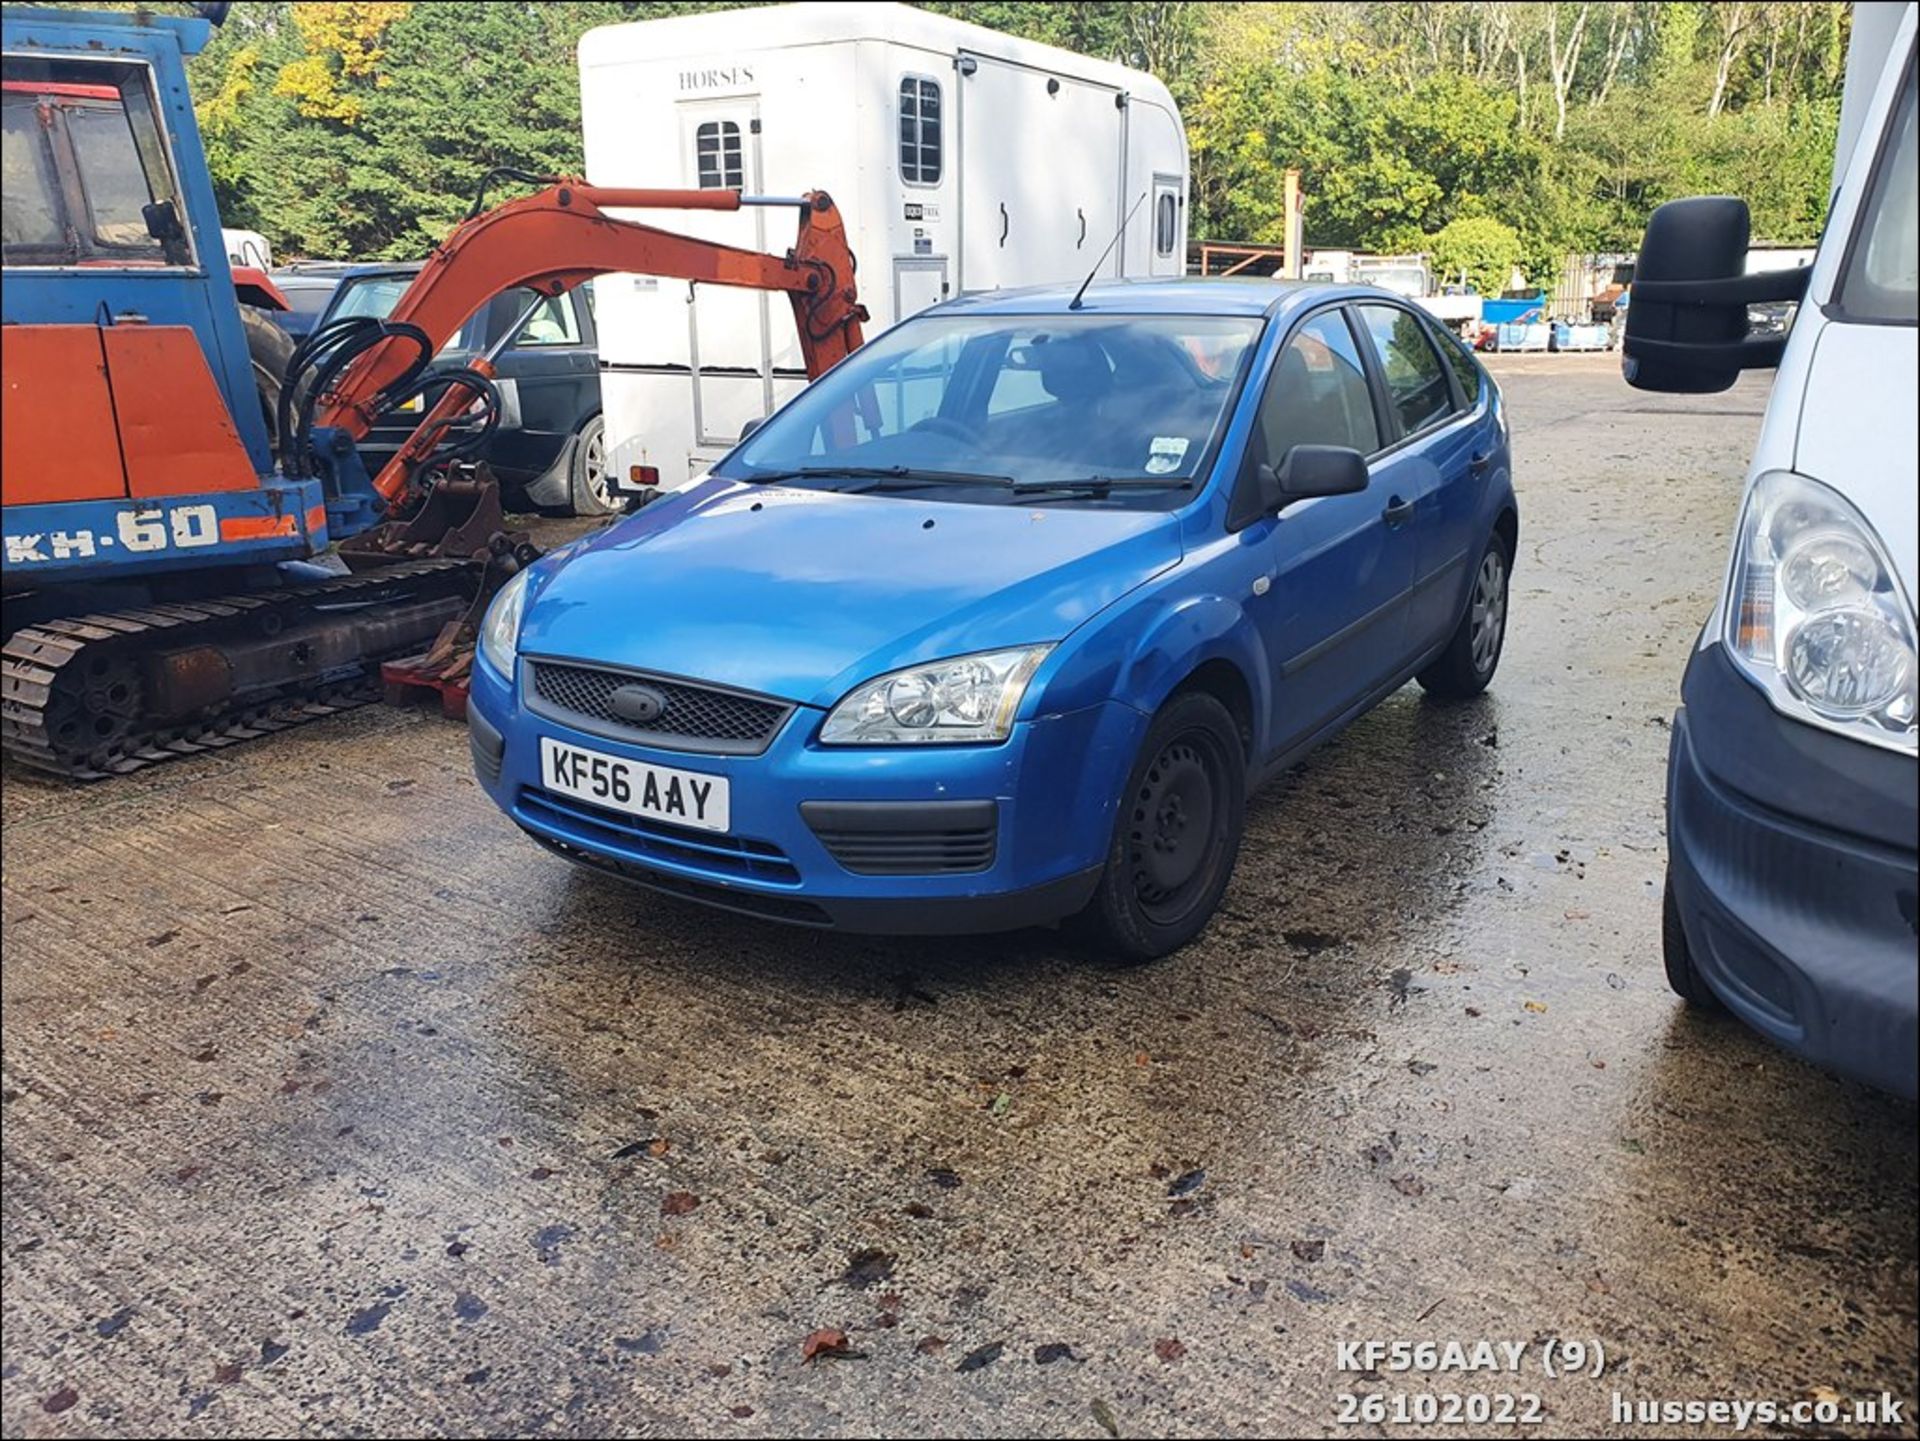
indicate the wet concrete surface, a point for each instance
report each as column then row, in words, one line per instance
column 333, row 1105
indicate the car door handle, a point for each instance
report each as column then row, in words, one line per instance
column 1398, row 511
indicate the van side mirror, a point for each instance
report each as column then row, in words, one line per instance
column 1686, row 327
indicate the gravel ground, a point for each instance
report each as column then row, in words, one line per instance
column 334, row 1106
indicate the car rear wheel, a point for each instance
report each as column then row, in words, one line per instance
column 1473, row 654
column 592, row 490
column 1682, row 974
column 1176, row 836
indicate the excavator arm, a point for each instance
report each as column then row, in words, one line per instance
column 553, row 240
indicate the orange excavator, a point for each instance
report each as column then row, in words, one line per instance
column 92, row 692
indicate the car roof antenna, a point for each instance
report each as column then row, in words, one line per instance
column 1074, row 304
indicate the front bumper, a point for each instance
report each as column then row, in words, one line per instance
column 807, row 821
column 1793, row 859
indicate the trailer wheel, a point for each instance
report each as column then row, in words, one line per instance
column 269, row 348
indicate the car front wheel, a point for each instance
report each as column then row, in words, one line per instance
column 1176, row 836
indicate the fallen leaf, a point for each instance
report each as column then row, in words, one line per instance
column 1053, row 1351
column 1824, row 1393
column 944, row 1177
column 930, row 1345
column 658, row 1147
column 61, row 1400
column 678, row 1203
column 228, row 1373
column 1189, row 1181
column 457, row 1249
column 1168, row 1349
column 539, row 1173
column 1103, row 1413
column 1537, row 1007
column 1141, row 1058
column 827, row 1342
column 1410, row 1185
column 740, row 1413
column 1309, row 1250
column 981, row 1356
column 1597, row 1284
column 918, row 1210
column 1002, row 1102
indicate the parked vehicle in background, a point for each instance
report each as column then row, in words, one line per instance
column 247, row 248
column 1000, row 620
column 308, row 286
column 963, row 159
column 550, row 448
column 1793, row 880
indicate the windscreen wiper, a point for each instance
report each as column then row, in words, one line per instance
column 908, row 474
column 1100, row 485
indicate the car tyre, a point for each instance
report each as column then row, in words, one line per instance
column 590, row 490
column 1466, row 666
column 1682, row 974
column 269, row 349
column 1176, row 836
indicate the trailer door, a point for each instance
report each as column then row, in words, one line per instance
column 728, row 329
column 1040, row 174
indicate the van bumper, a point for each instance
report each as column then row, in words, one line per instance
column 1792, row 853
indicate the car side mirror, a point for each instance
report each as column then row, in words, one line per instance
column 1311, row 470
column 1686, row 329
column 751, row 426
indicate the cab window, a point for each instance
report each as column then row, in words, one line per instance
column 86, row 178
column 1882, row 279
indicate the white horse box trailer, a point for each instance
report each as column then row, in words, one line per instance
column 962, row 159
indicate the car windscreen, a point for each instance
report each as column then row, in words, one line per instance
column 1015, row 403
column 374, row 295
column 1882, row 279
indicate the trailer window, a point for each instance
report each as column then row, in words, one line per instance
column 1166, row 223
column 920, row 130
column 717, row 156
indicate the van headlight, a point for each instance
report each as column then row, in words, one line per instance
column 1815, row 613
column 968, row 698
column 500, row 631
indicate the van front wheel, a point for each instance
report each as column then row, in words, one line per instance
column 1175, row 838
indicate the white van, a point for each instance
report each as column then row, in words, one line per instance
column 961, row 158
column 1792, row 779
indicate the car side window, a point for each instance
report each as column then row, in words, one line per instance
column 1318, row 393
column 1416, row 384
column 1466, row 370
column 552, row 324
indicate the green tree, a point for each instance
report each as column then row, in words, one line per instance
column 1486, row 249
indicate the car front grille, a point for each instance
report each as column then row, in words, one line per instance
column 693, row 717
column 907, row 839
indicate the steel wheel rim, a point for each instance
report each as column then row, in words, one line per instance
column 1176, row 826
column 1488, row 616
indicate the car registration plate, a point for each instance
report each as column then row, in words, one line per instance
column 681, row 798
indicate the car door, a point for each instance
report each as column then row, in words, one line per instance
column 1333, row 612
column 1432, row 462
column 544, row 375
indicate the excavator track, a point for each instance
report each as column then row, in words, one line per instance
column 76, row 694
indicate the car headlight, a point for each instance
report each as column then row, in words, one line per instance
column 967, row 698
column 500, row 631
column 1816, row 615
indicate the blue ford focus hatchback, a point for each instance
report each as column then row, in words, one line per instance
column 998, row 622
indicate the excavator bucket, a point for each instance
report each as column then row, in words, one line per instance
column 458, row 519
